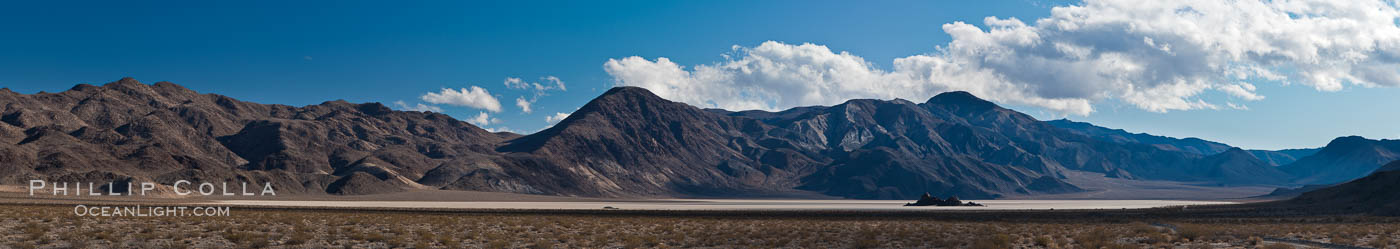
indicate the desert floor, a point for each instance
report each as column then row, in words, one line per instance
column 56, row 226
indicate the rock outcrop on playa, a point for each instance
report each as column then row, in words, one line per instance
column 930, row 200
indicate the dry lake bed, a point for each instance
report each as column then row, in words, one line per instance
column 729, row 204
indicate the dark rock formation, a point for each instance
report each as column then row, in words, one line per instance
column 929, row 200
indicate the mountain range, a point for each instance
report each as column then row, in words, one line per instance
column 627, row 142
column 1372, row 194
column 1192, row 145
column 1344, row 159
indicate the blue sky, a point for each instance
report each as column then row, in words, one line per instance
column 301, row 53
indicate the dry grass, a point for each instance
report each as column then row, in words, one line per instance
column 56, row 227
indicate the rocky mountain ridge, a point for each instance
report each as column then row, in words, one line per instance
column 1343, row 159
column 1191, row 144
column 129, row 131
column 625, row 143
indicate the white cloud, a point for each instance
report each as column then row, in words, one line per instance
column 513, row 82
column 476, row 97
column 556, row 82
column 538, row 89
column 558, row 116
column 1155, row 55
column 483, row 119
column 550, row 83
column 523, row 104
column 500, row 129
column 1242, row 90
column 776, row 76
column 420, row 107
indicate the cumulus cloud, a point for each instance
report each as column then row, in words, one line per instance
column 558, row 116
column 483, row 119
column 776, row 76
column 523, row 104
column 1156, row 55
column 420, row 107
column 475, row 97
column 550, row 83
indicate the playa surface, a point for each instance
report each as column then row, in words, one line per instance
column 728, row 204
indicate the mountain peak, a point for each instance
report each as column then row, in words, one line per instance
column 374, row 109
column 1350, row 139
column 635, row 105
column 962, row 99
column 82, row 87
column 961, row 96
column 1234, row 153
column 128, row 80
column 628, row 91
column 861, row 102
column 1347, row 143
column 621, row 96
column 126, row 85
column 171, row 86
column 125, row 81
column 1344, row 159
column 131, row 86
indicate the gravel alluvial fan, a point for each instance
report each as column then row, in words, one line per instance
column 626, row 143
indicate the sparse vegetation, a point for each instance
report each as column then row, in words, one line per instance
column 52, row 227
